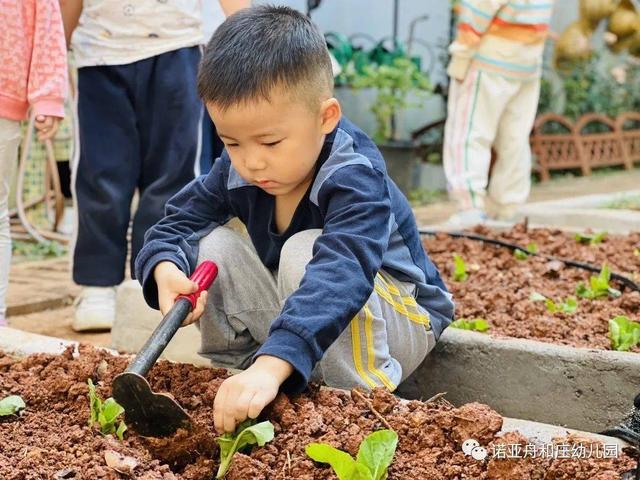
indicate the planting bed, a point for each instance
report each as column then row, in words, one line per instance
column 499, row 286
column 51, row 439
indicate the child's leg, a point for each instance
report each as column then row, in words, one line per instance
column 511, row 176
column 9, row 141
column 168, row 113
column 474, row 110
column 105, row 178
column 383, row 344
column 242, row 301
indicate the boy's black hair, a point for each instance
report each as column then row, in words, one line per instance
column 260, row 48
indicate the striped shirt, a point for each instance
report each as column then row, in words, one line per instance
column 501, row 36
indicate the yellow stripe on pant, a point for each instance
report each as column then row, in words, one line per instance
column 403, row 304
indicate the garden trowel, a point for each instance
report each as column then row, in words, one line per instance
column 158, row 414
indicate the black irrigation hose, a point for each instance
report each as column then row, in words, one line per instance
column 626, row 281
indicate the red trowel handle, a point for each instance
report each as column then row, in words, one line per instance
column 204, row 275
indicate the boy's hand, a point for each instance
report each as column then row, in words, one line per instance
column 47, row 127
column 171, row 283
column 247, row 393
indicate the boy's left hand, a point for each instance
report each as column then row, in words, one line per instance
column 47, row 127
column 246, row 394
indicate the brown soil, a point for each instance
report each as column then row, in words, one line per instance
column 499, row 286
column 51, row 439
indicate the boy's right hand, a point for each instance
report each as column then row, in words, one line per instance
column 171, row 283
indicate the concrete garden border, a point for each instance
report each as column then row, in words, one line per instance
column 583, row 212
column 580, row 388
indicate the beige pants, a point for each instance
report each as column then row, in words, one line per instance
column 9, row 141
column 488, row 110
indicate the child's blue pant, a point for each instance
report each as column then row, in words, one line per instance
column 138, row 131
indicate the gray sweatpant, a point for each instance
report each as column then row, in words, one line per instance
column 382, row 345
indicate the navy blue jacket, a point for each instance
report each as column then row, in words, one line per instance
column 367, row 224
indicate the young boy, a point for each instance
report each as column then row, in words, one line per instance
column 334, row 284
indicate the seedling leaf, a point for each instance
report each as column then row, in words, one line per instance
column 105, row 413
column 598, row 286
column 476, row 324
column 623, row 333
column 532, row 247
column 377, row 450
column 459, row 269
column 591, row 238
column 11, row 405
column 247, row 433
column 342, row 463
column 374, row 457
column 520, row 254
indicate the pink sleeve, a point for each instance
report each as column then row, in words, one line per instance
column 47, row 86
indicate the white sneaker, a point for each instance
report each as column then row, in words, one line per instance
column 95, row 309
column 467, row 219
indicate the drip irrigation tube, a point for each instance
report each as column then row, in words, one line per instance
column 626, row 281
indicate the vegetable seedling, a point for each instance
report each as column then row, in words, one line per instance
column 105, row 413
column 248, row 433
column 375, row 454
column 475, row 324
column 532, row 247
column 569, row 305
column 11, row 405
column 624, row 333
column 590, row 238
column 598, row 286
column 459, row 269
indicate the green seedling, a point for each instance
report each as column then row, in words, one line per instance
column 624, row 333
column 11, row 405
column 105, row 413
column 590, row 238
column 475, row 324
column 459, row 269
column 532, row 248
column 598, row 286
column 569, row 305
column 374, row 457
column 247, row 433
column 636, row 252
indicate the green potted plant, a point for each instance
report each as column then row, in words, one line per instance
column 397, row 86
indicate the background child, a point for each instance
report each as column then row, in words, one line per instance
column 33, row 75
column 334, row 282
column 139, row 117
column 495, row 71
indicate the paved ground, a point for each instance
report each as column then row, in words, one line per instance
column 41, row 293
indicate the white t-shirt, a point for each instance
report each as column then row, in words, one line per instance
column 117, row 32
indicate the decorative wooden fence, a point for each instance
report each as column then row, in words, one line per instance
column 572, row 147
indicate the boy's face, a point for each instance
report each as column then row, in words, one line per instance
column 275, row 144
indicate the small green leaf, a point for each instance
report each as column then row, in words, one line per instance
column 476, row 324
column 247, row 433
column 532, row 247
column 551, row 305
column 570, row 305
column 520, row 254
column 591, row 238
column 342, row 463
column 537, row 297
column 623, row 333
column 636, row 252
column 121, row 429
column 459, row 268
column 376, row 452
column 11, row 405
